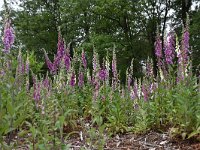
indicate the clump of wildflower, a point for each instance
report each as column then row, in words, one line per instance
column 9, row 37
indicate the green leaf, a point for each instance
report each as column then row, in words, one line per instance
column 10, row 108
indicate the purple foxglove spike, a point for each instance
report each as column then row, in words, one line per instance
column 170, row 49
column 27, row 66
column 135, row 89
column 60, row 45
column 36, row 93
column 50, row 65
column 132, row 95
column 81, row 79
column 145, row 92
column 149, row 68
column 158, row 47
column 67, row 61
column 73, row 80
column 46, row 83
column 84, row 61
column 9, row 37
column 94, row 62
column 129, row 82
column 102, row 74
column 57, row 61
column 185, row 47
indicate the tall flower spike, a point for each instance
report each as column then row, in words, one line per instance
column 60, row 46
column 73, row 79
column 145, row 92
column 50, row 65
column 102, row 74
column 185, row 47
column 67, row 61
column 9, row 37
column 149, row 68
column 27, row 65
column 80, row 79
column 158, row 50
column 84, row 61
column 170, row 48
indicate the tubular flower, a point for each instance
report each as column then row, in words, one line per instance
column 60, row 46
column 67, row 61
column 50, row 65
column 158, row 51
column 135, row 89
column 27, row 65
column 149, row 68
column 185, row 47
column 8, row 38
column 170, row 49
column 84, row 61
column 73, row 80
column 129, row 81
column 102, row 74
column 145, row 92
column 80, row 79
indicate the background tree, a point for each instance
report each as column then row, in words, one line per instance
column 129, row 25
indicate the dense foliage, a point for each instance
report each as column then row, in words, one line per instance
column 72, row 99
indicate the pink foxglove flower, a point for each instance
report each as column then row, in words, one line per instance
column 170, row 49
column 158, row 51
column 80, row 79
column 9, row 37
column 84, row 61
column 73, row 80
column 102, row 74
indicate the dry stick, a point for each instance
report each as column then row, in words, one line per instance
column 54, row 122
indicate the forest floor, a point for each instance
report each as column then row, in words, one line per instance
column 148, row 141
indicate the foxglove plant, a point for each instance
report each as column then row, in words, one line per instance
column 135, row 89
column 170, row 49
column 149, row 68
column 9, row 37
column 185, row 47
column 73, row 79
column 27, row 65
column 102, row 74
column 67, row 62
column 84, row 61
column 20, row 65
column 50, row 65
column 145, row 92
column 158, row 50
column 107, row 65
column 80, row 79
column 114, row 70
